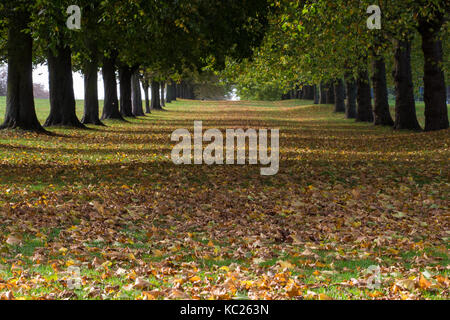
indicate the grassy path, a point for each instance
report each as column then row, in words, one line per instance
column 349, row 199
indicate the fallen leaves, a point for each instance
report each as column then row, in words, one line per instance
column 111, row 204
column 13, row 240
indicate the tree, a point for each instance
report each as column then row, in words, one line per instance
column 137, row 106
column 90, row 51
column 20, row 108
column 111, row 102
column 430, row 23
column 55, row 39
column 382, row 114
column 156, row 97
column 405, row 107
column 364, row 112
column 339, row 93
column 126, row 107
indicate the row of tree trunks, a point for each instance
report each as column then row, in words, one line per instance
column 20, row 109
column 309, row 92
column 185, row 90
column 171, row 91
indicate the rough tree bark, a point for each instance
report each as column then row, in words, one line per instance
column 146, row 87
column 156, row 98
column 435, row 95
column 136, row 94
column 91, row 105
column 330, row 93
column 381, row 112
column 62, row 97
column 163, row 94
column 364, row 111
column 125, row 73
column 111, row 103
column 168, row 93
column 20, row 108
column 339, row 93
column 405, row 105
column 173, row 96
column 316, row 94
column 323, row 94
column 352, row 89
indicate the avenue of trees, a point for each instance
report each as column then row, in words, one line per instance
column 156, row 44
column 324, row 51
column 320, row 50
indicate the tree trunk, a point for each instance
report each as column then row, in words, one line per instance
column 301, row 94
column 137, row 106
column 316, row 94
column 156, row 99
column 177, row 90
column 168, row 93
column 91, row 106
column 323, row 94
column 364, row 112
column 330, row 93
column 62, row 97
column 20, row 108
column 435, row 95
column 163, row 94
column 381, row 112
column 352, row 89
column 405, row 106
column 173, row 96
column 146, row 86
column 126, row 108
column 310, row 93
column 111, row 103
column 339, row 92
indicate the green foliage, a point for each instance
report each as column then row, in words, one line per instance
column 311, row 41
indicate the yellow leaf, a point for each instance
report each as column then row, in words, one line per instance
column 195, row 279
column 424, row 283
column 286, row 264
